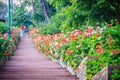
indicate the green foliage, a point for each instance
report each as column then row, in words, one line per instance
column 97, row 48
column 115, row 74
column 1, row 47
column 56, row 20
column 73, row 59
column 51, row 9
column 49, row 30
column 38, row 15
column 73, row 17
column 20, row 15
column 8, row 45
column 3, row 27
column 59, row 4
column 77, row 13
column 109, row 41
column 53, row 26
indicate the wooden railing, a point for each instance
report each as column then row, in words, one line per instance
column 105, row 73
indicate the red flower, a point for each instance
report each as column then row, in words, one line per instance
column 98, row 46
column 114, row 52
column 101, row 64
column 69, row 51
column 75, row 33
column 57, row 45
column 65, row 40
column 75, row 38
column 7, row 52
column 100, row 50
column 98, row 35
column 109, row 25
column 110, row 41
column 47, row 50
column 13, row 35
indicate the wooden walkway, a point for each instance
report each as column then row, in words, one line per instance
column 29, row 64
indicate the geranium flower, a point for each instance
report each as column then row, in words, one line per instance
column 98, row 35
column 109, row 25
column 75, row 38
column 65, row 40
column 77, row 46
column 57, row 44
column 101, row 50
column 98, row 28
column 5, row 35
column 13, row 35
column 69, row 51
column 110, row 41
column 7, row 52
column 98, row 46
column 115, row 52
column 81, row 66
column 12, row 40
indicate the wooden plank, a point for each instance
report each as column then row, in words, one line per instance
column 28, row 64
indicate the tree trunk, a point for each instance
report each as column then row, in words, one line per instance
column 45, row 10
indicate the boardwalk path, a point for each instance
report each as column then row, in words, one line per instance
column 28, row 64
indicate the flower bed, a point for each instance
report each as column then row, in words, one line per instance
column 7, row 46
column 100, row 46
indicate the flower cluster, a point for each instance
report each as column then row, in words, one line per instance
column 101, row 46
column 7, row 46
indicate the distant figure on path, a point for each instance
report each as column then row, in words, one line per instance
column 21, row 31
column 26, row 29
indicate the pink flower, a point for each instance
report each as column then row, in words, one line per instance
column 98, row 28
column 80, row 66
column 77, row 46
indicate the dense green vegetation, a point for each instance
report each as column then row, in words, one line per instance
column 77, row 13
column 68, row 15
column 3, row 27
column 30, row 13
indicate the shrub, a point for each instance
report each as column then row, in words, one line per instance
column 3, row 27
column 49, row 30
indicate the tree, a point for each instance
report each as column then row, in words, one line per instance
column 115, row 8
column 19, row 15
column 46, row 11
column 3, row 11
column 77, row 13
column 103, row 10
column 38, row 16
